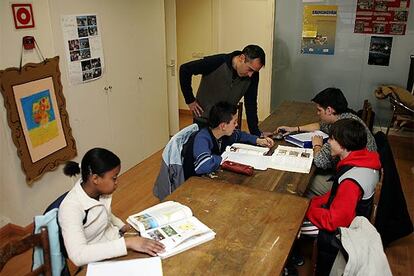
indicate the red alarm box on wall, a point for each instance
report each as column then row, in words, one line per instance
column 28, row 42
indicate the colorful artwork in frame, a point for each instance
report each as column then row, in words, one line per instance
column 36, row 105
column 37, row 116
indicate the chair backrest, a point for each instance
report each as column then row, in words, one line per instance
column 15, row 248
column 377, row 196
column 56, row 204
column 239, row 115
column 367, row 114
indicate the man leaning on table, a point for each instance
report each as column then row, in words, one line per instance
column 331, row 106
column 225, row 77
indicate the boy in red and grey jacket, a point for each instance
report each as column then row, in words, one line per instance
column 352, row 193
column 357, row 174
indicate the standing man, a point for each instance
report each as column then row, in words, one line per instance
column 225, row 77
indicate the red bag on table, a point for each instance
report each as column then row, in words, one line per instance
column 237, row 168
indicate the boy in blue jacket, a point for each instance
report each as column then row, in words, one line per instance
column 202, row 154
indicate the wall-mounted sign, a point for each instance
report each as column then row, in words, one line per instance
column 23, row 16
column 381, row 17
column 319, row 29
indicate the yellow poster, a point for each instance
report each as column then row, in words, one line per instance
column 319, row 29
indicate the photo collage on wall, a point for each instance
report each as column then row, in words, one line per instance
column 381, row 17
column 85, row 55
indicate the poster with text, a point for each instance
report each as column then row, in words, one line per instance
column 83, row 47
column 319, row 29
column 381, row 17
column 380, row 50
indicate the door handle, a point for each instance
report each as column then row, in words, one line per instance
column 172, row 63
column 172, row 66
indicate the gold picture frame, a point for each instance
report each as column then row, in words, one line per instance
column 37, row 116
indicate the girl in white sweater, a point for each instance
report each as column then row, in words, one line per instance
column 89, row 229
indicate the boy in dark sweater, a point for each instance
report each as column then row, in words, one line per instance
column 203, row 151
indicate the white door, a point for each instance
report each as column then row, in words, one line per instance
column 132, row 118
column 243, row 22
column 134, row 43
column 172, row 73
column 195, row 35
column 86, row 104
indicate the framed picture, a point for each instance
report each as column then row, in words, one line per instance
column 23, row 16
column 36, row 114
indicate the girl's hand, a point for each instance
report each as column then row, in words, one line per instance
column 265, row 142
column 145, row 245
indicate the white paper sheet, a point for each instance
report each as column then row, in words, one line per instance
column 136, row 267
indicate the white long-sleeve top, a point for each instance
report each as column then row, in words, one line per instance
column 98, row 238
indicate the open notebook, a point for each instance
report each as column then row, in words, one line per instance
column 304, row 139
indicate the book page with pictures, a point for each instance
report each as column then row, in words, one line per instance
column 247, row 149
column 292, row 159
column 189, row 230
column 159, row 215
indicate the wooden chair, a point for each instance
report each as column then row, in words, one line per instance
column 239, row 115
column 377, row 195
column 367, row 114
column 401, row 113
column 15, row 248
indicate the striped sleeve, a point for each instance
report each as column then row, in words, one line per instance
column 243, row 137
column 204, row 160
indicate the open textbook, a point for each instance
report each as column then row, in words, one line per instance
column 284, row 158
column 247, row 154
column 172, row 224
column 291, row 159
column 304, row 140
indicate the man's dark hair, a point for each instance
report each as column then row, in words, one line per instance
column 253, row 51
column 349, row 133
column 221, row 112
column 334, row 98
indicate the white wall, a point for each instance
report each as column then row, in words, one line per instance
column 300, row 77
column 222, row 26
column 19, row 202
column 249, row 22
column 194, row 36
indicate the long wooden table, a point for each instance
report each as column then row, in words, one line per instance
column 255, row 229
column 291, row 114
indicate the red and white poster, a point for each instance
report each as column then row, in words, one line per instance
column 381, row 17
column 23, row 16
